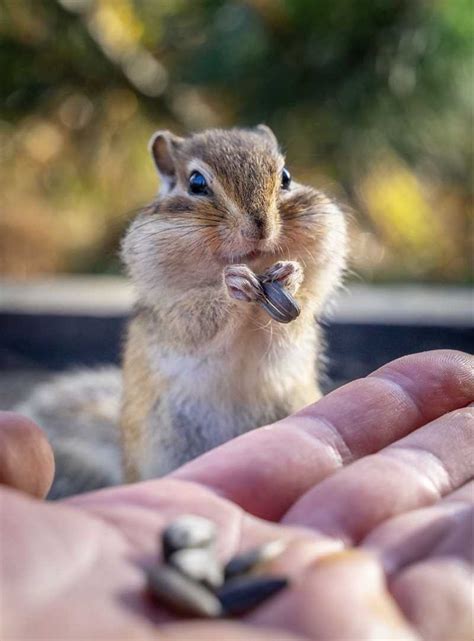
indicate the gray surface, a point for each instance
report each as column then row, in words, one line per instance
column 100, row 295
column 406, row 304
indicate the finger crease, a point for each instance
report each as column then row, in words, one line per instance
column 341, row 452
column 435, row 465
column 404, row 392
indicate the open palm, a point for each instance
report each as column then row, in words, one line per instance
column 371, row 487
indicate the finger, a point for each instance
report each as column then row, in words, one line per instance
column 464, row 494
column 436, row 596
column 444, row 528
column 413, row 472
column 341, row 596
column 266, row 470
column 26, row 458
column 458, row 542
column 459, row 387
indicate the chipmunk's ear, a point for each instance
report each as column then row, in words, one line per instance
column 163, row 146
column 264, row 130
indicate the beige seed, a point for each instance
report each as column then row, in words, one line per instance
column 182, row 595
column 199, row 564
column 188, row 531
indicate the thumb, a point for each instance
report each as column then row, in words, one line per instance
column 26, row 457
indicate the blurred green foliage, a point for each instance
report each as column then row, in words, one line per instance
column 372, row 100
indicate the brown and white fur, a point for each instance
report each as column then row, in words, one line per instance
column 203, row 362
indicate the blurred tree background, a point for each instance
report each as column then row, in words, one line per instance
column 371, row 99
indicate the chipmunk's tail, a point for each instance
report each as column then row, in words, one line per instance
column 79, row 412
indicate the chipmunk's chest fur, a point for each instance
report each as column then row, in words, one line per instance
column 252, row 362
column 253, row 377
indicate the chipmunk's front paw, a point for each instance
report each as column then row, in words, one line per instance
column 288, row 273
column 241, row 283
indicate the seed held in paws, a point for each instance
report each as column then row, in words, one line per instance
column 279, row 303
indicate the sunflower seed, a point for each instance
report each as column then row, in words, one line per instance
column 252, row 559
column 181, row 594
column 188, row 531
column 199, row 564
column 245, row 593
column 278, row 302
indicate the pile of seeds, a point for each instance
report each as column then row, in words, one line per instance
column 278, row 302
column 191, row 582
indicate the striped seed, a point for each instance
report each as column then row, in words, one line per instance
column 242, row 594
column 253, row 559
column 278, row 303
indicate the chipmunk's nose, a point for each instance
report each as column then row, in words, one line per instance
column 256, row 229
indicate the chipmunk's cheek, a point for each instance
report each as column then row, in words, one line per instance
column 211, row 240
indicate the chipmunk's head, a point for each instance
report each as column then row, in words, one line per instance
column 228, row 183
column 225, row 197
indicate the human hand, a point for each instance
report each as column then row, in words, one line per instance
column 370, row 484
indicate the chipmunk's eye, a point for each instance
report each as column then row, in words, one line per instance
column 198, row 184
column 285, row 179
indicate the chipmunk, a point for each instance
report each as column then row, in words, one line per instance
column 202, row 361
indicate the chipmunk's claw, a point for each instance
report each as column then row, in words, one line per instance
column 242, row 284
column 288, row 273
